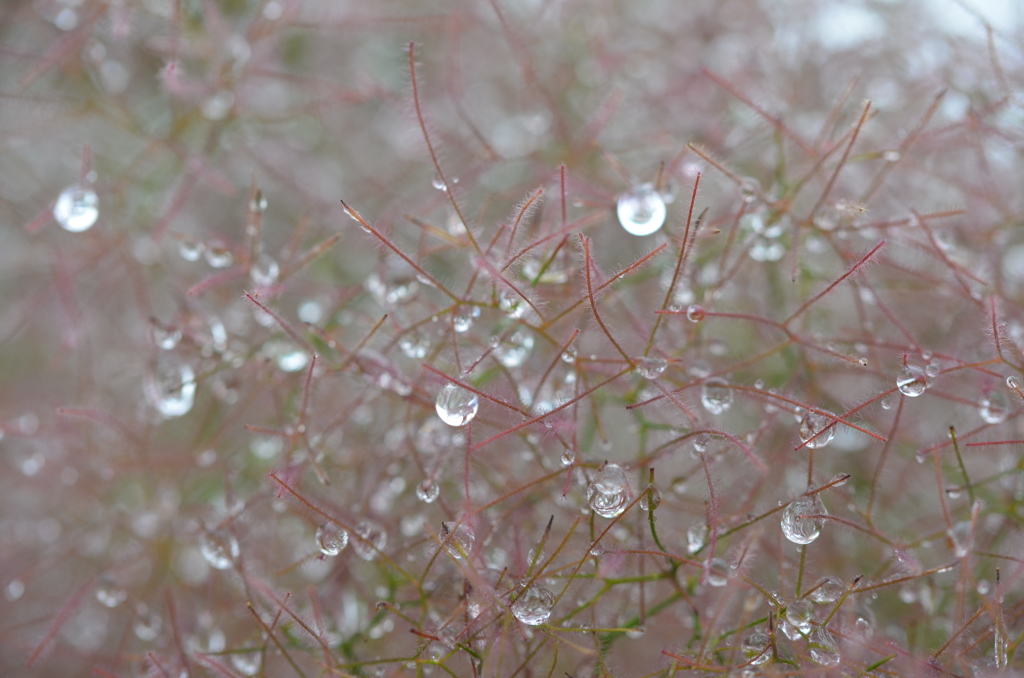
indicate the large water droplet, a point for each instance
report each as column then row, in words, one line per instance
column 428, row 491
column 650, row 499
column 76, row 209
column 458, row 541
column 513, row 350
column 800, row 614
column 455, row 405
column 994, row 408
column 651, row 367
column 695, row 313
column 264, row 271
column 331, row 539
column 755, row 648
column 823, row 647
column 533, row 605
column 170, row 388
column 641, row 211
column 817, row 430
column 911, row 381
column 511, row 304
column 373, row 541
column 718, row 572
column 797, row 522
column 608, row 493
column 219, row 547
column 827, row 590
column 696, row 536
column 716, row 396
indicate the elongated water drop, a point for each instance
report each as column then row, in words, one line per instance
column 533, row 606
column 331, row 539
column 428, row 491
column 170, row 388
column 608, row 493
column 219, row 548
column 799, row 522
column 455, row 405
column 718, row 572
column 696, row 536
column 458, row 541
column 716, row 396
column 651, row 367
column 641, row 211
column 823, row 647
column 912, row 381
column 800, row 614
column 76, row 209
column 511, row 304
column 994, row 408
column 817, row 429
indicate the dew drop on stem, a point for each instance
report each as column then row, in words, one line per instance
column 608, row 492
column 994, row 408
column 716, row 396
column 219, row 547
column 170, row 388
column 428, row 491
column 373, row 539
column 455, row 405
column 331, row 539
column 912, row 381
column 718, row 572
column 817, row 429
column 800, row 523
column 77, row 209
column 651, row 367
column 641, row 211
column 755, row 648
column 827, row 590
column 533, row 605
column 458, row 540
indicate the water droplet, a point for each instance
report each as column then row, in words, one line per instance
column 636, row 633
column 428, row 491
column 651, row 367
column 258, row 204
column 797, row 524
column 839, row 479
column 166, row 337
column 886, row 403
column 823, row 647
column 695, row 313
column 247, row 663
column 219, row 547
column 800, row 614
column 962, row 536
column 170, row 388
column 514, row 349
column 463, row 317
column 14, row 590
column 108, row 593
column 891, row 156
column 533, row 605
column 827, row 590
column 264, row 271
column 288, row 356
column 218, row 255
column 414, row 344
column 1001, row 645
column 458, row 541
column 567, row 457
column 641, row 211
column 718, row 572
column 911, row 381
column 608, row 493
column 511, row 304
column 1013, row 382
column 716, row 396
column 696, row 536
column 77, row 209
column 650, row 499
column 190, row 250
column 373, row 541
column 749, row 189
column 569, row 356
column 331, row 539
column 817, row 429
column 455, row 405
column 755, row 648
column 932, row 369
column 994, row 408
column 148, row 623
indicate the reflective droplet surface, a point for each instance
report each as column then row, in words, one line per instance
column 962, row 537
column 455, row 405
column 514, row 349
column 170, row 388
column 696, row 536
column 695, row 313
column 798, row 525
column 77, row 209
column 108, row 593
column 428, row 491
column 817, row 429
column 331, row 539
column 511, row 304
column 994, row 408
column 911, row 381
column 166, row 337
column 264, row 271
column 219, row 548
column 827, row 590
column 800, row 614
column 191, row 251
column 650, row 499
column 641, row 211
column 1013, row 382
column 718, row 572
column 533, row 605
column 218, row 255
column 457, row 540
column 716, row 396
column 749, row 189
column 414, row 345
column 148, row 623
column 373, row 540
column 608, row 492
column 651, row 367
column 463, row 317
column 823, row 647
column 755, row 648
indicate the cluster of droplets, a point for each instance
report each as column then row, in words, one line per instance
column 608, row 492
column 801, row 519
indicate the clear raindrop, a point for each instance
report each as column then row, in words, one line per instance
column 716, row 396
column 651, row 367
column 533, row 605
column 797, row 524
column 331, row 539
column 912, row 381
column 641, row 211
column 373, row 540
column 77, row 209
column 219, row 547
column 455, row 405
column 170, row 388
column 817, row 429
